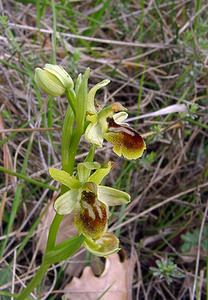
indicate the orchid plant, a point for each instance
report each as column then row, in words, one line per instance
column 82, row 192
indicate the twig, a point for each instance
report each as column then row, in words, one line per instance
column 147, row 211
column 92, row 39
column 198, row 252
column 39, row 129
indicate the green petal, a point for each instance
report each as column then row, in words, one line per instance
column 105, row 246
column 67, row 202
column 84, row 170
column 120, row 117
column 93, row 134
column 91, row 95
column 112, row 197
column 64, row 178
column 99, row 174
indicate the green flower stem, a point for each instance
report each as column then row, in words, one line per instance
column 71, row 97
column 67, row 165
column 71, row 136
column 70, row 152
column 73, row 150
column 68, row 160
column 70, row 144
column 90, row 156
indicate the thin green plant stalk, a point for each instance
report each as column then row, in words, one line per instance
column 68, row 160
column 71, row 97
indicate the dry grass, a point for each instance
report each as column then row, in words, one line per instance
column 155, row 53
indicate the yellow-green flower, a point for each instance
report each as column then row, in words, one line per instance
column 89, row 201
column 108, row 124
column 53, row 80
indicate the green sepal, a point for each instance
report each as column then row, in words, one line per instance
column 100, row 174
column 91, row 95
column 67, row 202
column 111, row 196
column 64, row 178
column 94, row 133
column 60, row 74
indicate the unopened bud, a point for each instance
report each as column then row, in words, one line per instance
column 53, row 80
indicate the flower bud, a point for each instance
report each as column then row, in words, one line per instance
column 61, row 74
column 53, row 80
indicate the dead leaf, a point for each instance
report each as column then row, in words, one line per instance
column 114, row 283
column 66, row 230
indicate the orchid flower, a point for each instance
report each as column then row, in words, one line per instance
column 108, row 124
column 90, row 201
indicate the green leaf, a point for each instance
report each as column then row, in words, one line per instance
column 78, row 82
column 82, row 100
column 64, row 250
column 67, row 134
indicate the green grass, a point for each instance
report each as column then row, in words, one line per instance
column 152, row 81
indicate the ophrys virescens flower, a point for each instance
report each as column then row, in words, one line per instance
column 89, row 201
column 109, row 124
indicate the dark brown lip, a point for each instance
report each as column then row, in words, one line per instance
column 129, row 137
